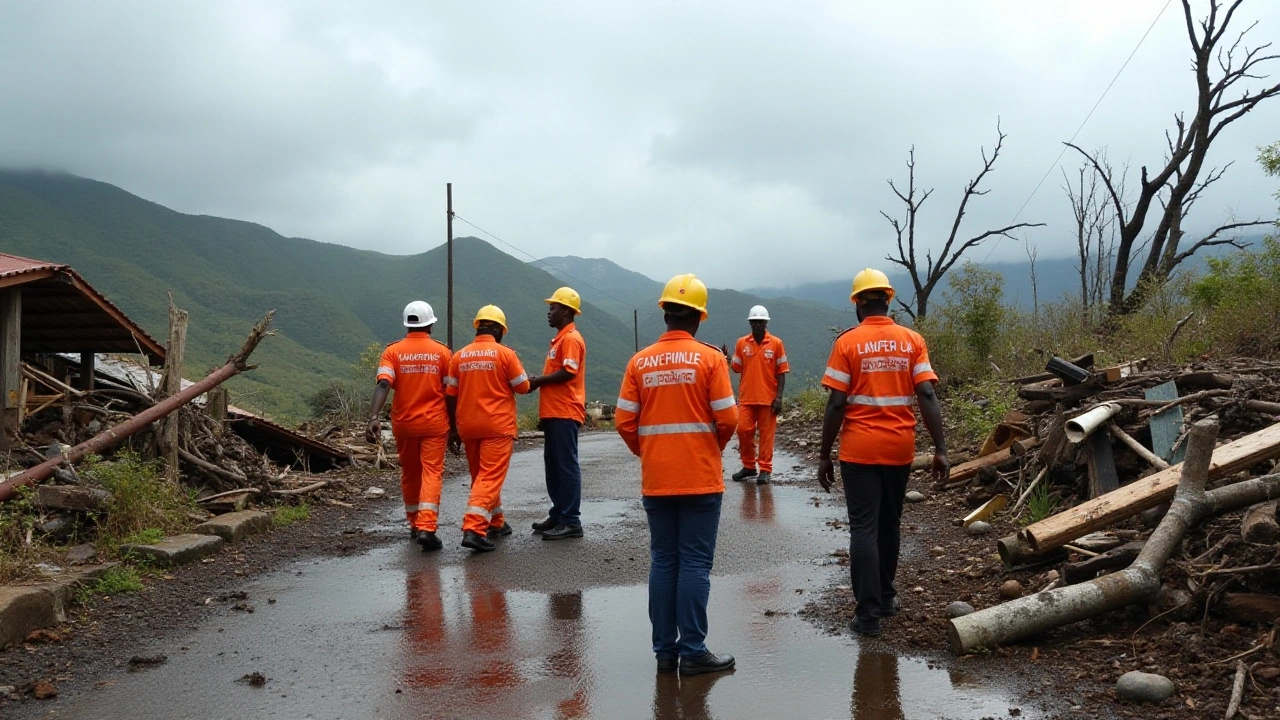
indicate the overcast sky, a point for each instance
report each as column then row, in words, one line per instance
column 746, row 141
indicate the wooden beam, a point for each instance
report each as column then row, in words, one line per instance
column 87, row 360
column 967, row 470
column 170, row 384
column 27, row 277
column 10, row 359
column 1101, row 512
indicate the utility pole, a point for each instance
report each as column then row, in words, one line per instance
column 635, row 326
column 448, row 191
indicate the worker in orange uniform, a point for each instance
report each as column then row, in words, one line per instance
column 876, row 372
column 484, row 378
column 562, row 408
column 761, row 359
column 415, row 368
column 676, row 411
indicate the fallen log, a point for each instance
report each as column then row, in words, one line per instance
column 1153, row 490
column 237, row 363
column 968, row 470
column 1260, row 524
column 1078, row 572
column 302, row 490
column 211, row 468
column 1140, row 582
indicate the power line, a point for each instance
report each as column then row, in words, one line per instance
column 1063, row 151
column 532, row 257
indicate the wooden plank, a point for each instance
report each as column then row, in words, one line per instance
column 1166, row 427
column 1100, row 512
column 10, row 348
column 1102, row 465
column 968, row 470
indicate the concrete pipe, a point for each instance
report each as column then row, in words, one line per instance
column 1078, row 428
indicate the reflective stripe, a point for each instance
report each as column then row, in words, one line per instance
column 629, row 405
column 498, row 510
column 890, row 401
column 518, row 379
column 677, row 429
column 921, row 367
column 421, row 506
column 473, row 510
column 571, row 363
column 384, row 370
column 723, row 403
column 835, row 374
column 782, row 359
column 451, row 381
column 737, row 360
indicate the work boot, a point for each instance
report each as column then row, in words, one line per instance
column 893, row 607
column 743, row 474
column 475, row 541
column 668, row 663
column 870, row 628
column 501, row 531
column 707, row 662
column 545, row 525
column 428, row 540
column 413, row 534
column 764, row 478
column 562, row 532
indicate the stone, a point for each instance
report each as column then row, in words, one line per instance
column 236, row 526
column 1011, row 589
column 374, row 492
column 981, row 527
column 958, row 609
column 71, row 497
column 81, row 554
column 1138, row 686
column 57, row 527
column 23, row 609
column 176, row 550
column 915, row 496
column 44, row 690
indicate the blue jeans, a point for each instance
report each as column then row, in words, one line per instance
column 682, row 546
column 564, row 476
column 874, row 495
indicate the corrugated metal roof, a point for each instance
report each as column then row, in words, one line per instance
column 11, row 265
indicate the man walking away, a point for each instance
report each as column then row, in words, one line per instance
column 562, row 408
column 676, row 411
column 415, row 368
column 761, row 359
column 874, row 372
column 484, row 378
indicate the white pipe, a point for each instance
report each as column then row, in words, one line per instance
column 1079, row 427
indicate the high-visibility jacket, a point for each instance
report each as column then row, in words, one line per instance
column 676, row 411
column 567, row 400
column 415, row 367
column 760, row 365
column 878, row 363
column 485, row 377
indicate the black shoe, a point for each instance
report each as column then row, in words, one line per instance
column 764, row 478
column 707, row 662
column 413, row 535
column 893, row 607
column 870, row 628
column 429, row 541
column 668, row 664
column 562, row 532
column 743, row 474
column 476, row 541
column 503, row 531
column 545, row 525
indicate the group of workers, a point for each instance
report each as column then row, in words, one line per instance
column 676, row 410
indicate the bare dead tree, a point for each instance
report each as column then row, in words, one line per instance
column 925, row 280
column 1094, row 221
column 1032, row 251
column 1219, row 67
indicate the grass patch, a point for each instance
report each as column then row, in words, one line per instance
column 150, row 536
column 527, row 420
column 290, row 514
column 1040, row 505
column 974, row 409
column 811, row 401
column 115, row 581
column 142, row 505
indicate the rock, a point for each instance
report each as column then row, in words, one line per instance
column 915, row 496
column 1268, row 673
column 42, row 635
column 917, row 589
column 44, row 690
column 1011, row 589
column 81, row 554
column 1137, row 686
column 236, row 526
column 57, row 527
column 1051, row 576
column 802, row 443
column 71, row 497
column 374, row 492
column 176, row 550
column 980, row 527
column 56, row 449
column 141, row 661
column 958, row 609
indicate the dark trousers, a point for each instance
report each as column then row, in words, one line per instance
column 682, row 547
column 874, row 495
column 564, row 476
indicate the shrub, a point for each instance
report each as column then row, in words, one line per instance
column 142, row 502
column 974, row 409
column 811, row 401
column 115, row 581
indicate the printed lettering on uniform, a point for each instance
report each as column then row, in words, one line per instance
column 746, row 350
column 768, row 354
column 681, row 357
column 552, row 354
column 687, row 376
column 477, row 365
column 418, row 357
column 478, row 354
column 419, row 369
column 885, row 364
column 880, row 346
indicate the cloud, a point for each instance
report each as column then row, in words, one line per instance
column 746, row 141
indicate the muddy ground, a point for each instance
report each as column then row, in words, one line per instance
column 941, row 564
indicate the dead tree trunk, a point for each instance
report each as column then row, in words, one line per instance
column 170, row 384
column 1044, row 611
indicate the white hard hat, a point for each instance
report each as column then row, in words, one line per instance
column 758, row 313
column 418, row 314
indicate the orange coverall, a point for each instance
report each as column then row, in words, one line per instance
column 760, row 365
column 485, row 377
column 415, row 368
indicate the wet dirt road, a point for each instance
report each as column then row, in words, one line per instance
column 541, row 629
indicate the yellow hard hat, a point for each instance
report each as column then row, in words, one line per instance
column 686, row 290
column 870, row 279
column 492, row 313
column 568, row 297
